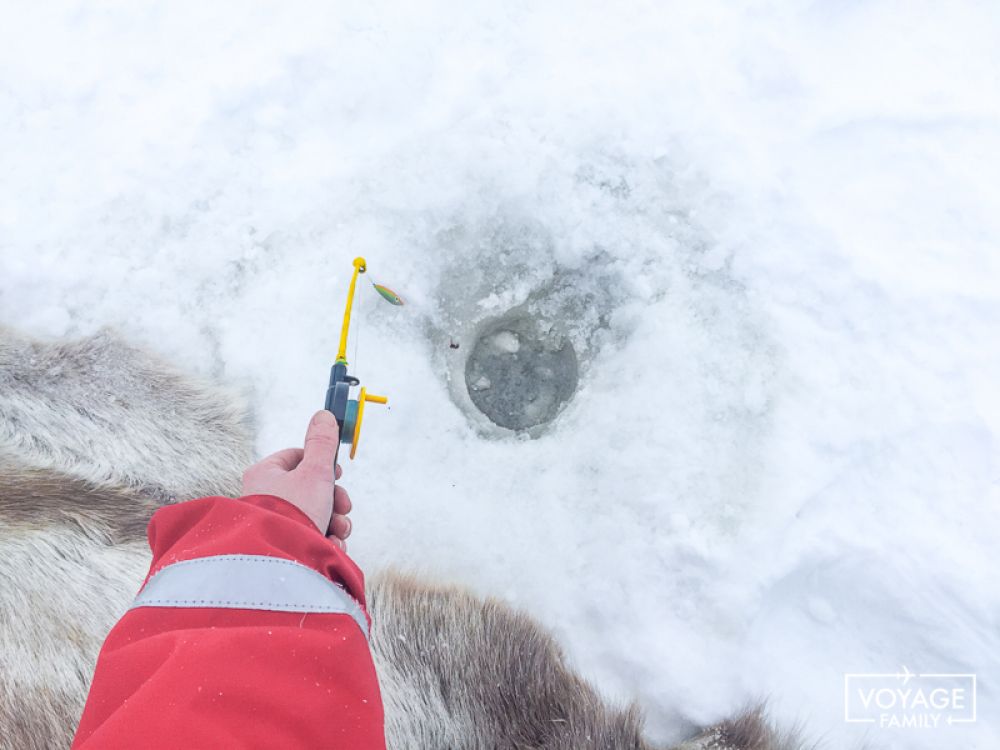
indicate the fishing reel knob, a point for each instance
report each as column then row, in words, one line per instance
column 355, row 412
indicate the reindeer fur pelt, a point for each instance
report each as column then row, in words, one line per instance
column 95, row 434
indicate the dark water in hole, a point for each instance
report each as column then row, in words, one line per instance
column 521, row 371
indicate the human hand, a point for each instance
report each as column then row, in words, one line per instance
column 305, row 478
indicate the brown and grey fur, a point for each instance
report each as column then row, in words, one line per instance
column 95, row 434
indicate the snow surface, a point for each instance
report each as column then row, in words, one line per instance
column 782, row 462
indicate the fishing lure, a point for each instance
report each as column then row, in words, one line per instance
column 388, row 295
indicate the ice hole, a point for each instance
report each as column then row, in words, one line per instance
column 521, row 371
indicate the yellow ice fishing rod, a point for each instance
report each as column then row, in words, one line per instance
column 347, row 410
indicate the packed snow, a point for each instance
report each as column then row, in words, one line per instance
column 770, row 230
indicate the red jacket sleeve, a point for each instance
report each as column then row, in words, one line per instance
column 250, row 632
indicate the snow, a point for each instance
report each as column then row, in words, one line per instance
column 781, row 465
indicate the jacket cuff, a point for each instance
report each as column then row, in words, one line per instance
column 251, row 525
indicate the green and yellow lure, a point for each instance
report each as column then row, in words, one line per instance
column 387, row 294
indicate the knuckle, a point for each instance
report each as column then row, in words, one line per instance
column 324, row 441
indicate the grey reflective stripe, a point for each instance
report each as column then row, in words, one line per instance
column 248, row 582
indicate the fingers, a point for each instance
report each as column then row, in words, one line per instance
column 340, row 471
column 338, row 542
column 340, row 524
column 341, row 501
column 320, row 451
column 340, row 527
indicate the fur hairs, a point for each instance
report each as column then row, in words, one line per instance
column 95, row 434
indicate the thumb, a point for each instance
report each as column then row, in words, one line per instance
column 320, row 449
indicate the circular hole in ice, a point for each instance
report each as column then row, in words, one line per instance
column 521, row 371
